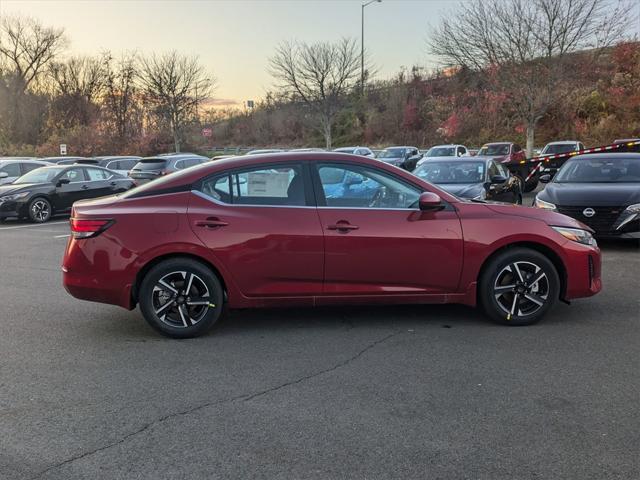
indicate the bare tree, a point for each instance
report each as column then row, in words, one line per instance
column 319, row 74
column 175, row 85
column 27, row 47
column 528, row 47
column 77, row 85
column 121, row 93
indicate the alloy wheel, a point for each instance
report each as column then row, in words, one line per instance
column 521, row 289
column 181, row 299
column 40, row 210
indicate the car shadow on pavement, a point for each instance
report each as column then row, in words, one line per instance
column 131, row 327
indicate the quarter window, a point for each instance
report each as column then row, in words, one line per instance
column 277, row 185
column 95, row 174
column 361, row 187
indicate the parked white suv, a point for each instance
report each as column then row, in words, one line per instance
column 439, row 151
column 11, row 168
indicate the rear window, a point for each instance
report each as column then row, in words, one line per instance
column 151, row 164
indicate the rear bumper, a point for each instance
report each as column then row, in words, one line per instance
column 87, row 275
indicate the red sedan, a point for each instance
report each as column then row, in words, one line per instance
column 305, row 229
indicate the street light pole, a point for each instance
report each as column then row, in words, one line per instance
column 364, row 4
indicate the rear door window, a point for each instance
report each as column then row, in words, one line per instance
column 279, row 185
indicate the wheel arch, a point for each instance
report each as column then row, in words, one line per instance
column 161, row 258
column 539, row 247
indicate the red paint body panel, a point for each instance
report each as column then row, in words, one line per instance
column 274, row 256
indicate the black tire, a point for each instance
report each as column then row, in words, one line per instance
column 531, row 186
column 505, row 270
column 40, row 210
column 519, row 199
column 521, row 182
column 177, row 317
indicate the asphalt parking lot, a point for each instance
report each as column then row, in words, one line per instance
column 438, row 392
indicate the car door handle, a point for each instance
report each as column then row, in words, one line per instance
column 211, row 223
column 85, row 187
column 113, row 184
column 343, row 226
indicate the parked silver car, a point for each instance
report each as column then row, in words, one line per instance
column 11, row 168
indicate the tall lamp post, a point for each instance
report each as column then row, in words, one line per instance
column 364, row 4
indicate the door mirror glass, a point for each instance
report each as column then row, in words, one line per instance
column 430, row 201
column 546, row 178
column 63, row 181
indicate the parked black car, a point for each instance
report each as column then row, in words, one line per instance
column 153, row 167
column 477, row 178
column 46, row 191
column 403, row 157
column 602, row 190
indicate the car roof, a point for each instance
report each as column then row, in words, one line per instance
column 558, row 142
column 22, row 160
column 194, row 174
column 605, row 155
column 447, row 145
column 498, row 143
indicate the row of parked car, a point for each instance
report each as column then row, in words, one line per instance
column 39, row 188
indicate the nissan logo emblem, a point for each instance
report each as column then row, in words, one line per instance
column 589, row 212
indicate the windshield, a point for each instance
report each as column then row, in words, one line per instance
column 392, row 153
column 606, row 170
column 40, row 175
column 498, row 149
column 441, row 152
column 451, row 172
column 559, row 148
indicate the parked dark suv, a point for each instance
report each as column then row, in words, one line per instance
column 153, row 167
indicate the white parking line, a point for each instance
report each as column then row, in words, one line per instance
column 32, row 226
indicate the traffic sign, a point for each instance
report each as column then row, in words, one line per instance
column 63, row 149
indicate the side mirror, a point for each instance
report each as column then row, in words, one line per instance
column 4, row 174
column 498, row 179
column 429, row 202
column 546, row 178
column 63, row 181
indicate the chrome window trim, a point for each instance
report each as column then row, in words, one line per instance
column 222, row 204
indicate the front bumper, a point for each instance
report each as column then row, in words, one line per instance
column 13, row 208
column 583, row 270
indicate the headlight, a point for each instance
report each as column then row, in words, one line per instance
column 15, row 196
column 635, row 208
column 577, row 235
column 545, row 205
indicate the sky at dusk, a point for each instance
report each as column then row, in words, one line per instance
column 234, row 39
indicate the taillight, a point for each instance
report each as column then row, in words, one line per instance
column 81, row 228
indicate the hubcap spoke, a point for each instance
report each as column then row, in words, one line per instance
column 167, row 287
column 504, row 289
column 164, row 307
column 534, row 298
column 516, row 297
column 514, row 268
column 184, row 316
